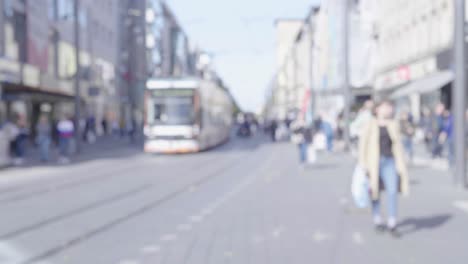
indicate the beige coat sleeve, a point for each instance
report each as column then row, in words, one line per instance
column 363, row 147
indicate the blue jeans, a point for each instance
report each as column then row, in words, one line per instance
column 389, row 177
column 64, row 146
column 329, row 142
column 20, row 146
column 303, row 152
column 44, row 146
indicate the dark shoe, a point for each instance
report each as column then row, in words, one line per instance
column 379, row 229
column 394, row 232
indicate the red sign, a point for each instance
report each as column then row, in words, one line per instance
column 404, row 73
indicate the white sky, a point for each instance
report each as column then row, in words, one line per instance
column 241, row 35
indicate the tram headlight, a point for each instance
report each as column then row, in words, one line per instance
column 146, row 131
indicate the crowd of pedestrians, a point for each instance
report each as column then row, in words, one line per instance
column 47, row 135
column 386, row 140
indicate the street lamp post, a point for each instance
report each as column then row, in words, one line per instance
column 346, row 85
column 459, row 93
column 76, row 26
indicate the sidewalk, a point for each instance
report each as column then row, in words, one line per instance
column 104, row 146
column 432, row 219
column 423, row 158
column 291, row 214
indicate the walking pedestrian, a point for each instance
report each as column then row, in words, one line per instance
column 437, row 122
column 66, row 130
column 299, row 137
column 104, row 125
column 21, row 140
column 273, row 127
column 44, row 137
column 12, row 132
column 407, row 130
column 356, row 127
column 426, row 126
column 89, row 134
column 446, row 136
column 381, row 156
column 363, row 117
column 327, row 129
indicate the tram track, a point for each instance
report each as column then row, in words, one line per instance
column 91, row 206
column 108, row 225
column 67, row 185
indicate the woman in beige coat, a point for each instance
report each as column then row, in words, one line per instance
column 381, row 155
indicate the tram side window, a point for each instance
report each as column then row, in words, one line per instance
column 158, row 112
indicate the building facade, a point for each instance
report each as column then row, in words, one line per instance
column 286, row 61
column 414, row 44
column 38, row 63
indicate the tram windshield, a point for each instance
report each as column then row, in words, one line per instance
column 171, row 107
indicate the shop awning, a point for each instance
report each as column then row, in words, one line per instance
column 13, row 92
column 424, row 85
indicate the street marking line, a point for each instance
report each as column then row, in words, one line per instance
column 462, row 205
column 169, row 237
column 358, row 239
column 196, row 218
column 184, row 227
column 320, row 236
column 128, row 261
column 277, row 232
column 151, row 249
column 257, row 239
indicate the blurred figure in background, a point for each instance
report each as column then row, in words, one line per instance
column 273, row 127
column 363, row 117
column 341, row 124
column 426, row 127
column 66, row 130
column 302, row 136
column 105, row 126
column 407, row 131
column 12, row 132
column 437, row 123
column 21, row 140
column 44, row 137
column 89, row 134
column 381, row 155
column 446, row 136
column 327, row 129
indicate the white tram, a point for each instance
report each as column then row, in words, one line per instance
column 186, row 115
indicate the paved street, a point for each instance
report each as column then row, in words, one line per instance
column 245, row 202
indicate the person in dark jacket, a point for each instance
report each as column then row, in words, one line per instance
column 407, row 131
column 44, row 137
column 437, row 122
column 273, row 127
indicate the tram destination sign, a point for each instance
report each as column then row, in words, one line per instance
column 172, row 92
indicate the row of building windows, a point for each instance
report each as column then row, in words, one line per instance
column 410, row 31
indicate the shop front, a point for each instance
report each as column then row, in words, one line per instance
column 418, row 85
column 31, row 103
